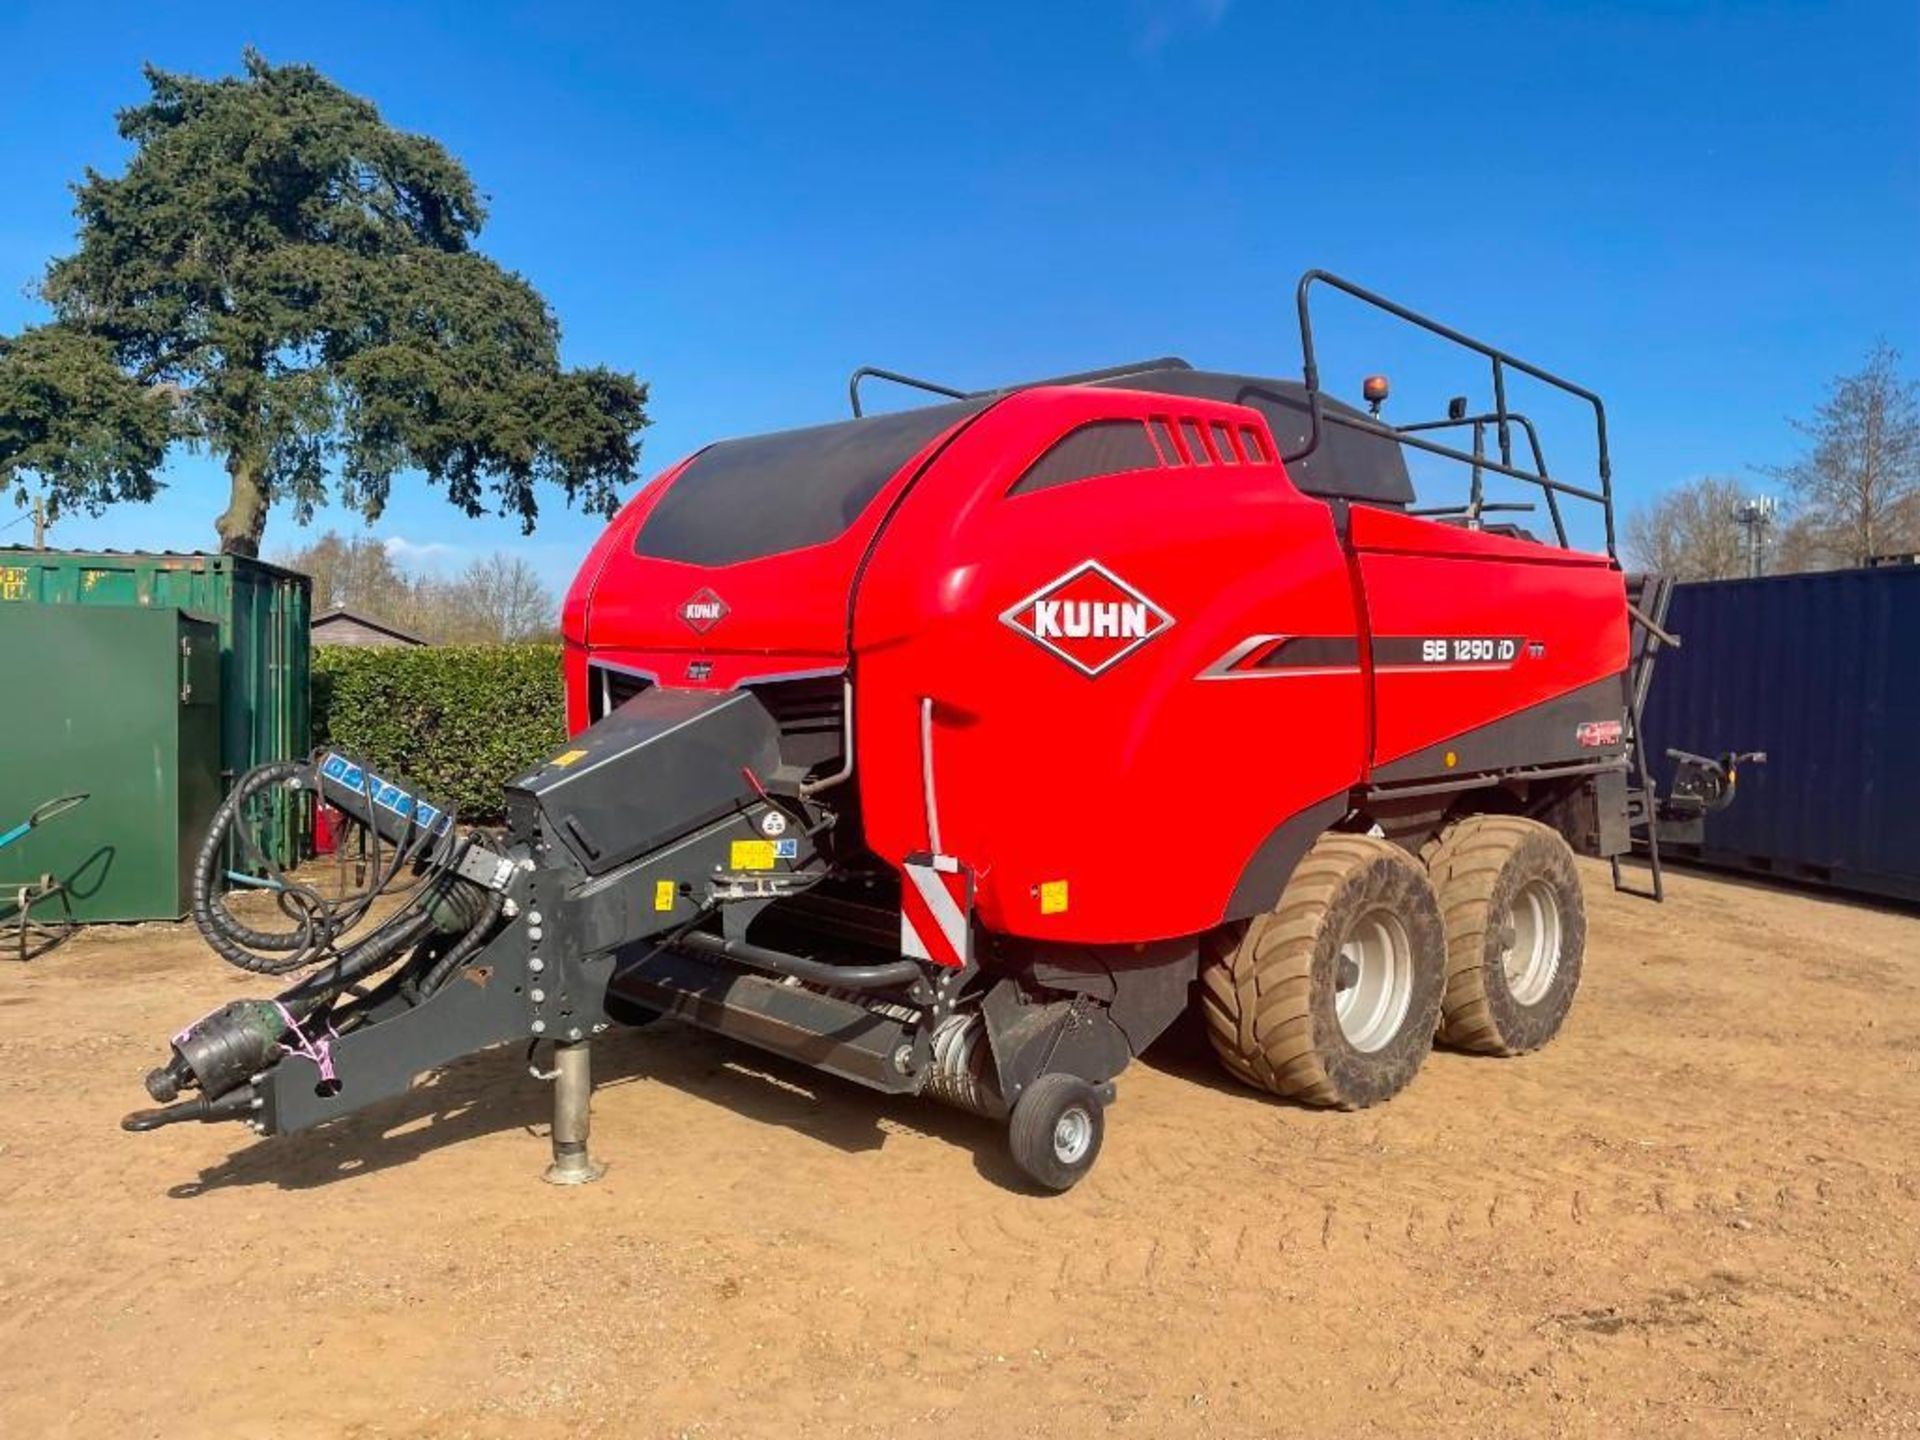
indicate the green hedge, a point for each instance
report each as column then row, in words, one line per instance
column 458, row 721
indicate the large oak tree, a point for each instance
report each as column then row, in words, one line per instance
column 285, row 281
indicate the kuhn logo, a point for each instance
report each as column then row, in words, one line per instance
column 1089, row 617
column 1598, row 734
column 703, row 611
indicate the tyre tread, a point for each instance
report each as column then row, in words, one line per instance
column 1257, row 1000
column 1466, row 862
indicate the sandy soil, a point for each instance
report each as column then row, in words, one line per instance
column 1697, row 1212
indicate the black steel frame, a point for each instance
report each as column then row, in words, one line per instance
column 1501, row 418
column 874, row 372
column 1654, row 592
column 1476, row 504
column 1081, row 377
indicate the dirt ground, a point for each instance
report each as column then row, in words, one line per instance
column 1697, row 1212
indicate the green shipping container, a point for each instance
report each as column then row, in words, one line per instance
column 263, row 614
column 124, row 705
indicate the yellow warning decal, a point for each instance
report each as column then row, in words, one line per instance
column 1053, row 897
column 567, row 757
column 663, row 895
column 751, row 855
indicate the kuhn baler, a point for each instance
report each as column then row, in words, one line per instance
column 956, row 751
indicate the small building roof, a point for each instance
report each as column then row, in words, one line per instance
column 343, row 615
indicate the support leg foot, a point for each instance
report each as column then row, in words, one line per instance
column 572, row 1117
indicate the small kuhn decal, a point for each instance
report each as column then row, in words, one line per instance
column 1598, row 734
column 1089, row 617
column 703, row 610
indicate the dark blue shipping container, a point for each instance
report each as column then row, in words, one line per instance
column 1823, row 673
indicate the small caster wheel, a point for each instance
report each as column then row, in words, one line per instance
column 1056, row 1130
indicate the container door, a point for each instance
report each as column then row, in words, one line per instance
column 200, row 790
column 111, row 716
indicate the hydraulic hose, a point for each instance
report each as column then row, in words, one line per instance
column 236, row 943
column 461, row 951
column 890, row 974
column 442, row 917
column 398, row 932
column 319, row 921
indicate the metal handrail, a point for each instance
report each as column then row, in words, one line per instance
column 874, row 372
column 1082, row 377
column 1501, row 417
column 1514, row 417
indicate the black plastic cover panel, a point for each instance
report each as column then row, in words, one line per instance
column 1100, row 447
column 745, row 499
column 665, row 763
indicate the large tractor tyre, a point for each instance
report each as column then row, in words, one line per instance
column 1332, row 997
column 1516, row 932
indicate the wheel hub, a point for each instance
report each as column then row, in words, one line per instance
column 1532, row 957
column 1072, row 1134
column 1373, row 987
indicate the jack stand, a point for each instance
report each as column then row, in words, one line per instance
column 572, row 1117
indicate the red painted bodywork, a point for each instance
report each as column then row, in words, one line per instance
column 1148, row 787
column 1422, row 578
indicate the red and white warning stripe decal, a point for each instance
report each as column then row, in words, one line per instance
column 936, row 910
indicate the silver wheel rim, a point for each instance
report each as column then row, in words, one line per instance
column 1376, row 971
column 1072, row 1135
column 1533, row 959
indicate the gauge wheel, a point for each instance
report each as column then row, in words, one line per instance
column 1056, row 1129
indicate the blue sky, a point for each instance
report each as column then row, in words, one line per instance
column 1703, row 211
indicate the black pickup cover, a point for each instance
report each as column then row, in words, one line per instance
column 665, row 763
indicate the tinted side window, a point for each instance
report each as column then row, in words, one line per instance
column 1101, row 447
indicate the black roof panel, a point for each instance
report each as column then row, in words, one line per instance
column 743, row 499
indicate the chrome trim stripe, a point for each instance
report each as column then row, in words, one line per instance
column 1222, row 669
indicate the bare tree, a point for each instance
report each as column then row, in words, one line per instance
column 1858, row 484
column 1691, row 532
column 1804, row 545
column 357, row 573
column 498, row 600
